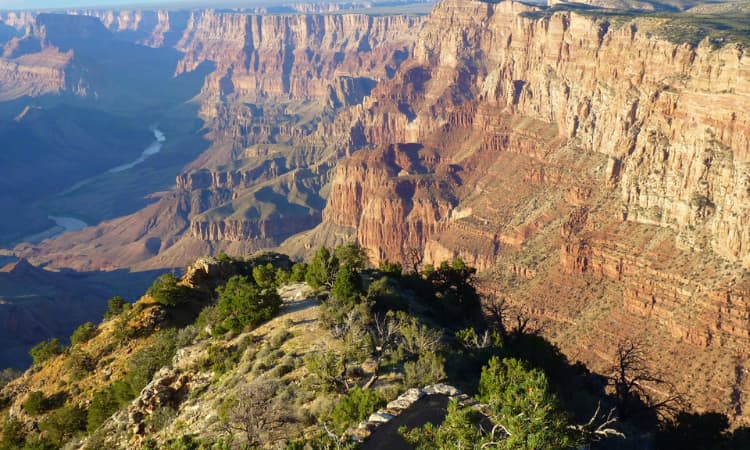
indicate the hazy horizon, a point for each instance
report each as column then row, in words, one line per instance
column 57, row 4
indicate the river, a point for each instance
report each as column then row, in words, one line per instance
column 62, row 225
column 69, row 223
column 65, row 224
column 151, row 150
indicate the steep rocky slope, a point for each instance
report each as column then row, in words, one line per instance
column 598, row 174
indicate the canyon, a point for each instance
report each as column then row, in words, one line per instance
column 596, row 172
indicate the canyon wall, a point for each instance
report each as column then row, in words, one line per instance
column 598, row 175
column 154, row 28
column 296, row 56
column 277, row 125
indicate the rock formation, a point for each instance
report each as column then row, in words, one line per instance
column 263, row 179
column 597, row 173
column 295, row 56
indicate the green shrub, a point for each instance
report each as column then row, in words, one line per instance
column 265, row 275
column 122, row 331
column 299, row 270
column 79, row 363
column 322, row 269
column 64, row 423
column 14, row 435
column 278, row 339
column 242, row 303
column 144, row 364
column 116, row 305
column 521, row 399
column 347, row 287
column 428, row 369
column 460, row 429
column 83, row 333
column 389, row 268
column 36, row 403
column 166, row 291
column 282, row 277
column 352, row 255
column 102, row 406
column 354, row 407
column 45, row 350
column 40, row 443
column 186, row 336
column 220, row 359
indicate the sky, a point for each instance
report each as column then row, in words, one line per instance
column 34, row 4
column 49, row 4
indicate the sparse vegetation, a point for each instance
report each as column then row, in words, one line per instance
column 83, row 333
column 384, row 331
column 167, row 291
column 46, row 350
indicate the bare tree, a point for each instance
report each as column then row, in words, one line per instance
column 385, row 333
column 469, row 339
column 510, row 321
column 638, row 389
column 255, row 412
column 414, row 257
column 497, row 312
column 328, row 369
column 417, row 338
column 598, row 428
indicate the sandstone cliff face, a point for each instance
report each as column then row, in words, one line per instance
column 294, row 56
column 391, row 198
column 676, row 161
column 584, row 152
column 159, row 28
column 33, row 75
column 19, row 20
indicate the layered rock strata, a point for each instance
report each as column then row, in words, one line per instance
column 598, row 175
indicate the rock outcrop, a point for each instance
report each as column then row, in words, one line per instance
column 154, row 28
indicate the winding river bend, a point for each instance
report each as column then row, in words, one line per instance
column 65, row 224
column 151, row 150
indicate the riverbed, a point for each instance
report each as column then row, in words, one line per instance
column 151, row 150
column 63, row 224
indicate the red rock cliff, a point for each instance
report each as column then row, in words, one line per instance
column 295, row 56
column 597, row 173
